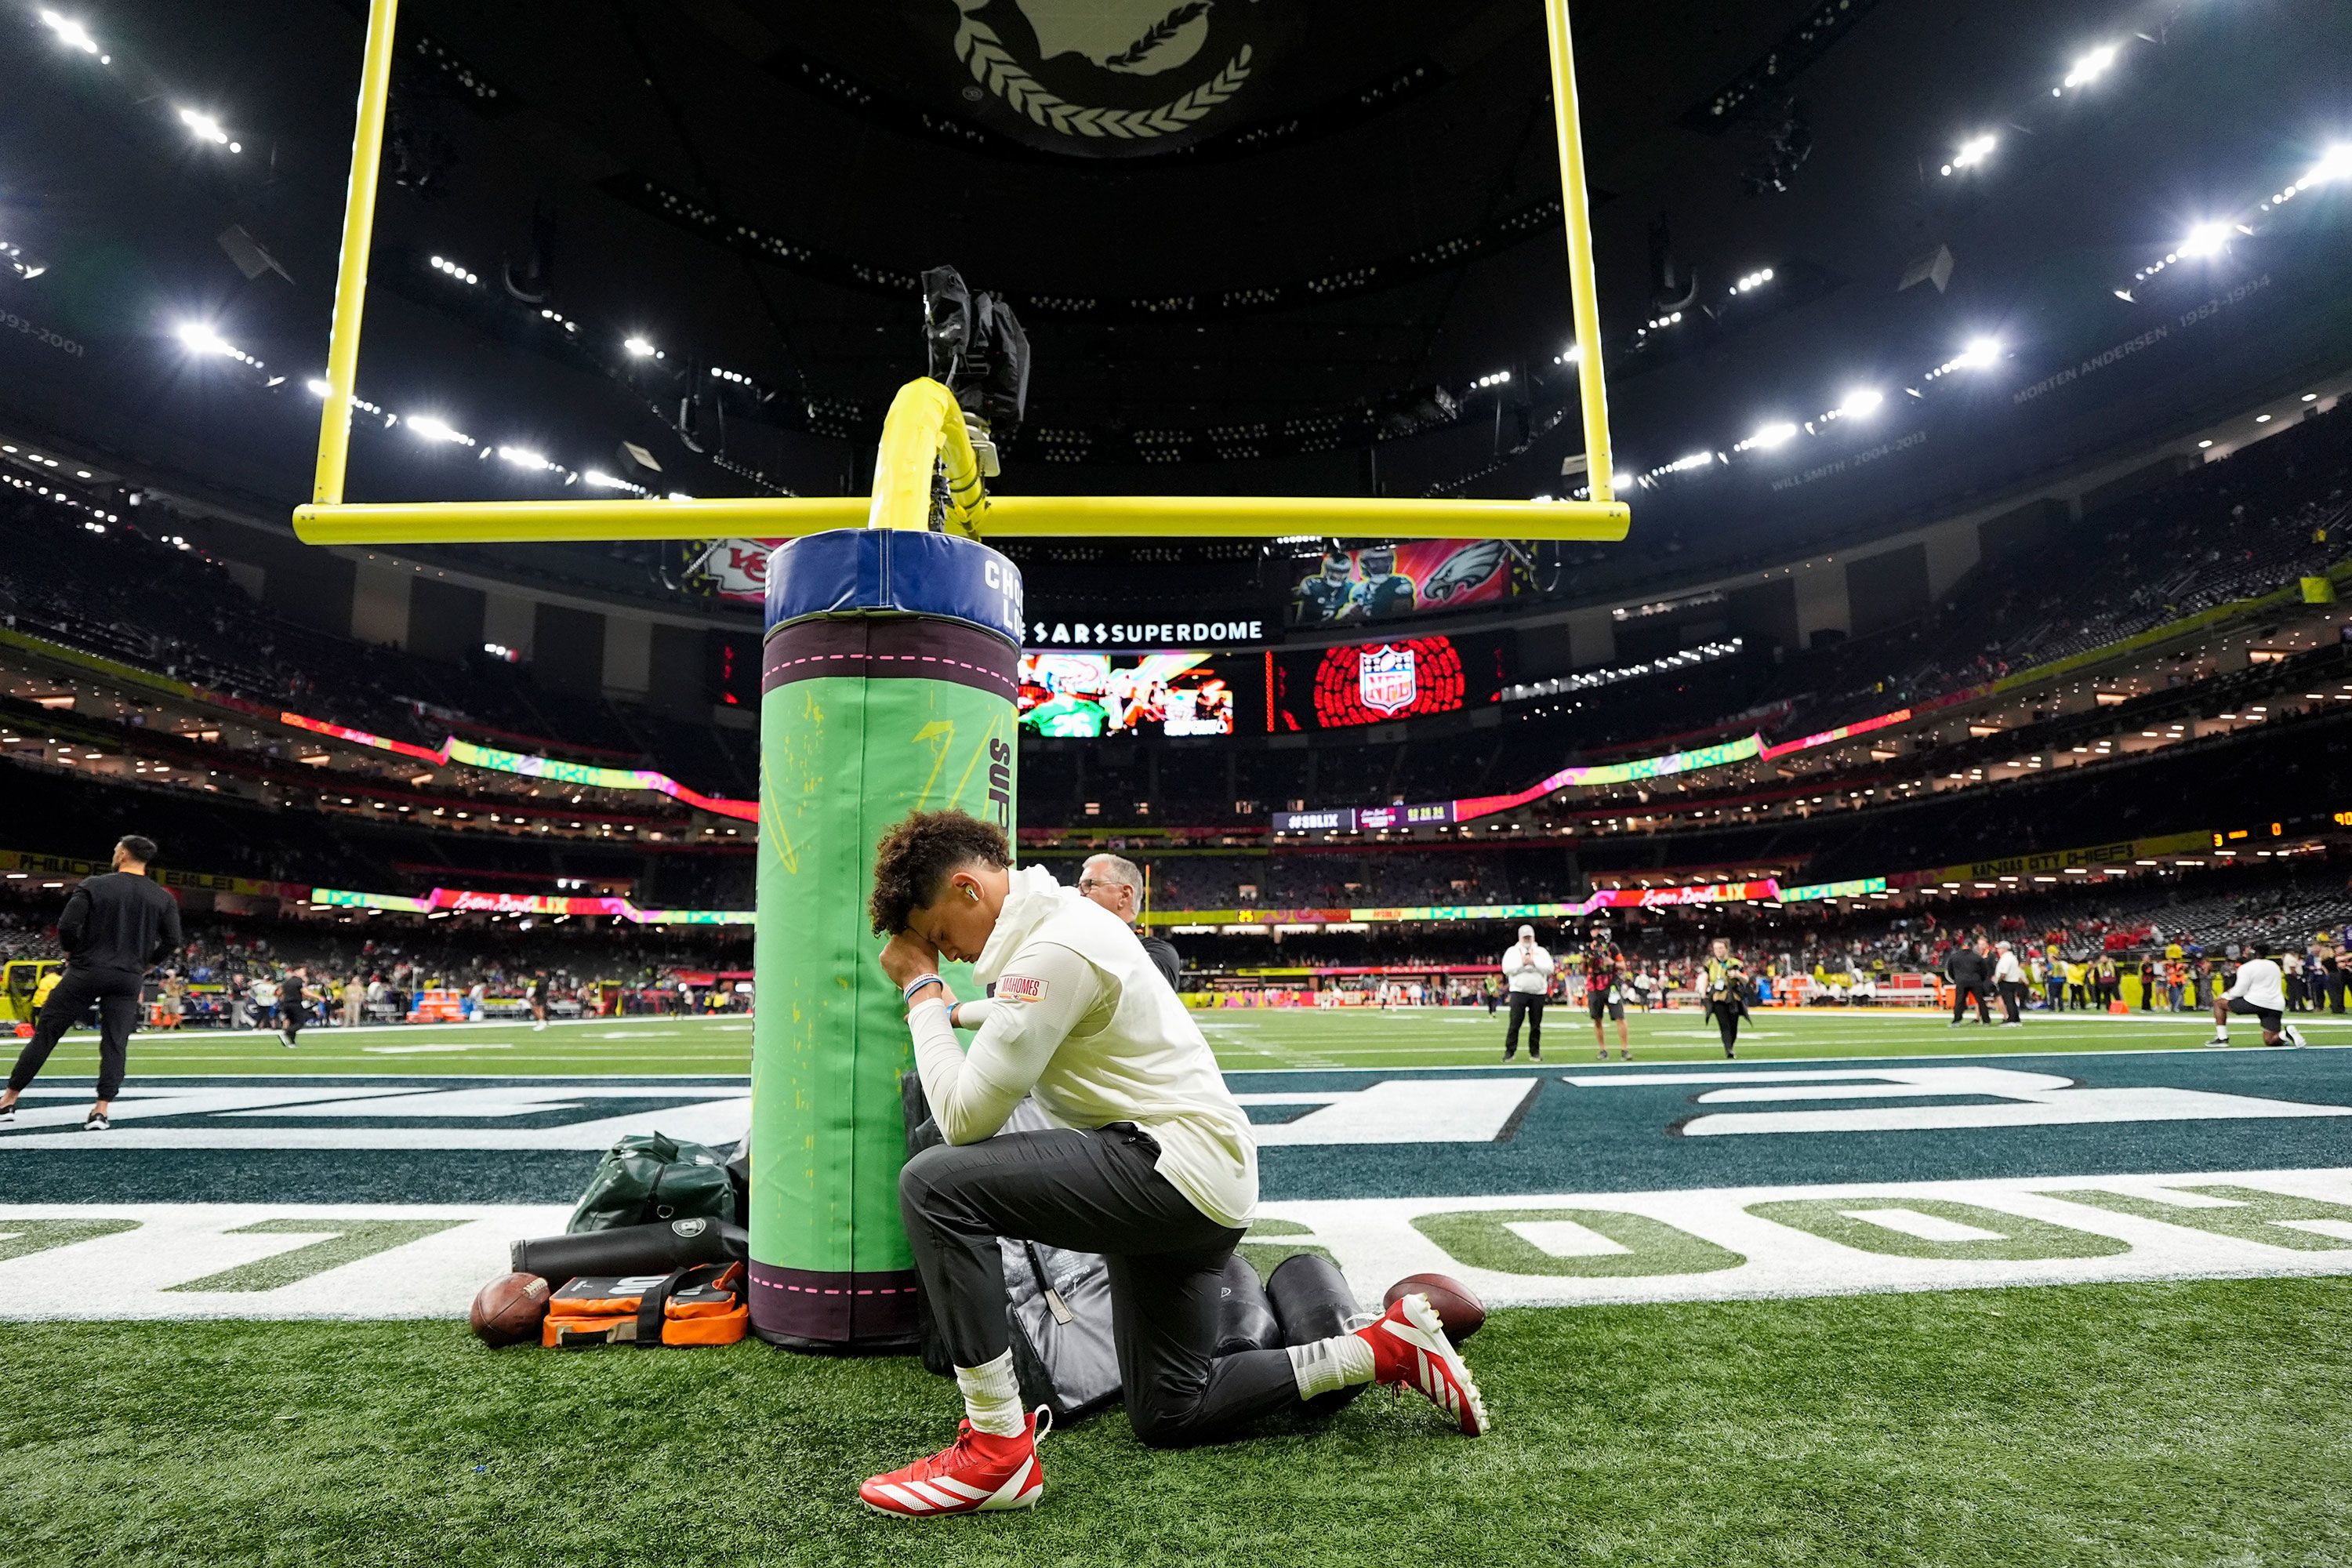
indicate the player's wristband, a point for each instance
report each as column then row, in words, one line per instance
column 917, row 984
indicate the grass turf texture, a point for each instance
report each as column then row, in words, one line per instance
column 2143, row 1425
column 1243, row 1038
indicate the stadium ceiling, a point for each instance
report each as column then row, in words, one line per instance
column 1241, row 231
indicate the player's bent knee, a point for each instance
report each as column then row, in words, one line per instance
column 1170, row 1427
column 924, row 1178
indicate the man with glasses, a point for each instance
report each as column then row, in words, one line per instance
column 1117, row 884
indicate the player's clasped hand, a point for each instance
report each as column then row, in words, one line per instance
column 907, row 955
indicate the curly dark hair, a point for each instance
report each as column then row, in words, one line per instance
column 915, row 859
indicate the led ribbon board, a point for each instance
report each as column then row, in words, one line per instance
column 1765, row 891
column 462, row 901
column 579, row 775
column 1749, row 748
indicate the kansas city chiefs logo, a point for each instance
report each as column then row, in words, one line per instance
column 1113, row 76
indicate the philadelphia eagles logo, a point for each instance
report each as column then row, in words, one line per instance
column 1107, row 77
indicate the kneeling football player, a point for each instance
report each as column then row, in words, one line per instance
column 1153, row 1165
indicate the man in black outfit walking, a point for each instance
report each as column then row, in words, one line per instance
column 114, row 927
column 1970, row 975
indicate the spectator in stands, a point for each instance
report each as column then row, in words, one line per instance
column 1970, row 974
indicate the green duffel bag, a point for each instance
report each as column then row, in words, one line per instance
column 646, row 1178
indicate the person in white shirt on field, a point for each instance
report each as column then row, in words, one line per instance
column 1527, row 974
column 1150, row 1163
column 2259, row 991
column 2009, row 984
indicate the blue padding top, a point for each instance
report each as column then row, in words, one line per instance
column 867, row 571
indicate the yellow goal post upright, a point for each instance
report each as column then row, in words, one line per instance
column 925, row 429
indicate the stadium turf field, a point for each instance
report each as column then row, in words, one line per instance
column 1727, row 1328
column 2148, row 1424
column 1244, row 1039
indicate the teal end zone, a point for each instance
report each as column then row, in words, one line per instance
column 889, row 684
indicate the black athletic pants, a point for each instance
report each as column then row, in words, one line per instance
column 2012, row 999
column 289, row 1018
column 1964, row 989
column 1092, row 1192
column 1529, row 1006
column 1727, row 1024
column 116, row 992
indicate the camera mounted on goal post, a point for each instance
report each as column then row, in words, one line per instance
column 978, row 352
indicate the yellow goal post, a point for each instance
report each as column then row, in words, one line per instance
column 924, row 431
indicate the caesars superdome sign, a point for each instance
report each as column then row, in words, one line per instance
column 1111, row 78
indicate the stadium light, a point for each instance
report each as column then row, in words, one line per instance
column 1973, row 151
column 2334, row 164
column 73, row 34
column 1979, row 354
column 22, row 265
column 202, row 339
column 1572, row 355
column 1860, row 404
column 640, row 348
column 208, row 128
column 318, row 386
column 430, row 429
column 524, row 458
column 1779, row 432
column 2206, row 240
column 2092, row 66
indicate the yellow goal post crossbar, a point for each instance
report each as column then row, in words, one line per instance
column 924, row 433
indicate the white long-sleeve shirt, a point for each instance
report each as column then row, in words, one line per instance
column 2258, row 985
column 1083, row 1023
column 1527, row 970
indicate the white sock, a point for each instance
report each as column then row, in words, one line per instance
column 2220, row 1031
column 1327, row 1366
column 992, row 1397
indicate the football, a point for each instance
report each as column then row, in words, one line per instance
column 1458, row 1307
column 508, row 1310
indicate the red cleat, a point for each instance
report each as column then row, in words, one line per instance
column 979, row 1473
column 1409, row 1349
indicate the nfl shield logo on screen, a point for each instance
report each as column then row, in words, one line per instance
column 1384, row 678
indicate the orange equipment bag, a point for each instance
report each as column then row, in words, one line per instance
column 699, row 1306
